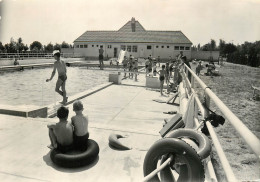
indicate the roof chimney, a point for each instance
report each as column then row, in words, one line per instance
column 133, row 24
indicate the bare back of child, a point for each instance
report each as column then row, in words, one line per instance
column 61, row 134
column 80, row 123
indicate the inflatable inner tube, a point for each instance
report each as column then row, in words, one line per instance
column 185, row 158
column 203, row 142
column 114, row 142
column 76, row 160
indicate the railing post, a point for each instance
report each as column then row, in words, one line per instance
column 192, row 82
column 207, row 103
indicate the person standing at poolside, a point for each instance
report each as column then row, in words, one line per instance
column 124, row 62
column 158, row 60
column 60, row 66
column 101, row 57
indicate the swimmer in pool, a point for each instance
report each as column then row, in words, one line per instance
column 62, row 71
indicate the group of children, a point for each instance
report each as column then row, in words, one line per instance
column 131, row 65
column 165, row 74
column 65, row 135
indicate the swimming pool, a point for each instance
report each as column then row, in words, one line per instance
column 29, row 87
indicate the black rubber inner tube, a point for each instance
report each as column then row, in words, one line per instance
column 202, row 140
column 76, row 160
column 191, row 168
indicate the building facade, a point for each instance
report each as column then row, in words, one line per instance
column 136, row 40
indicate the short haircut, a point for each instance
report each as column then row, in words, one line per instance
column 77, row 105
column 57, row 54
column 62, row 112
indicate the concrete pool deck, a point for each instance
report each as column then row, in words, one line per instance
column 122, row 109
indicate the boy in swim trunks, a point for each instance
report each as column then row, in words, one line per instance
column 130, row 65
column 135, row 68
column 146, row 66
column 167, row 72
column 124, row 62
column 162, row 76
column 60, row 66
column 101, row 57
column 80, row 123
column 61, row 133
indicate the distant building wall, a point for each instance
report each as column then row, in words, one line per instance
column 205, row 55
column 136, row 49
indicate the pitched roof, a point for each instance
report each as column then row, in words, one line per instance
column 128, row 27
column 140, row 35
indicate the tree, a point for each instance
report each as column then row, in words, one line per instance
column 198, row 46
column 19, row 45
column 57, row 47
column 212, row 44
column 229, row 48
column 11, row 47
column 221, row 46
column 2, row 48
column 36, row 46
column 206, row 47
column 25, row 48
column 49, row 47
column 65, row 45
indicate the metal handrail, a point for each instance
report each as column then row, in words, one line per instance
column 250, row 139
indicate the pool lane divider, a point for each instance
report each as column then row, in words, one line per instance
column 52, row 108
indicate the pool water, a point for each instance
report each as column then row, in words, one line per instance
column 29, row 87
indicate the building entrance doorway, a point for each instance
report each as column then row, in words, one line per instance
column 115, row 52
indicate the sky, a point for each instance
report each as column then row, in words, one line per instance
column 55, row 21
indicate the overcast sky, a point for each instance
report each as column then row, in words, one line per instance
column 55, row 21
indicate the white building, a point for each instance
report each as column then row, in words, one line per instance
column 136, row 40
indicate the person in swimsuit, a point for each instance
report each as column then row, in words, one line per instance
column 135, row 66
column 124, row 62
column 60, row 66
column 101, row 57
column 167, row 70
column 146, row 66
column 150, row 66
column 61, row 133
column 80, row 123
column 158, row 60
column 162, row 76
column 130, row 65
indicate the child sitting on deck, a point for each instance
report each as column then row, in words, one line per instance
column 80, row 123
column 61, row 133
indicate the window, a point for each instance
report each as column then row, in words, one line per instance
column 162, row 46
column 109, row 46
column 134, row 48
column 92, row 45
column 168, row 46
column 81, row 46
column 85, row 45
column 149, row 47
column 129, row 48
column 187, row 48
column 181, row 47
column 77, row 46
column 176, row 48
column 157, row 46
column 123, row 47
column 97, row 45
